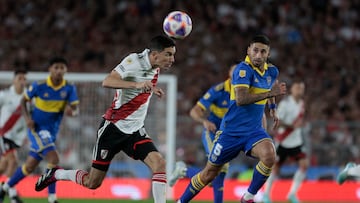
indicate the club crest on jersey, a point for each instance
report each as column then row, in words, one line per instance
column 242, row 73
column 63, row 94
column 268, row 79
column 46, row 94
column 104, row 153
column 129, row 60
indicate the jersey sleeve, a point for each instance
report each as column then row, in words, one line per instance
column 242, row 75
column 31, row 91
column 126, row 66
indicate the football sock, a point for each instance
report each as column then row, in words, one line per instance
column 297, row 180
column 12, row 192
column 191, row 171
column 52, row 198
column 159, row 187
column 51, row 187
column 194, row 187
column 19, row 174
column 218, row 187
column 260, row 175
column 354, row 171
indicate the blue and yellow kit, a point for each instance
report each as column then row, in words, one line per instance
column 49, row 103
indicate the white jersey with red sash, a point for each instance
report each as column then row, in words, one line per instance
column 12, row 124
column 129, row 107
column 289, row 111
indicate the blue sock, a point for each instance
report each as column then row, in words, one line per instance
column 51, row 187
column 17, row 177
column 194, row 187
column 218, row 187
column 192, row 171
column 260, row 175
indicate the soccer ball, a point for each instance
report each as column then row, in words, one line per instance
column 177, row 24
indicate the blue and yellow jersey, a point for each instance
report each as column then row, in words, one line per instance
column 246, row 118
column 49, row 103
column 216, row 102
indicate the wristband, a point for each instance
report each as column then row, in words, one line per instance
column 272, row 106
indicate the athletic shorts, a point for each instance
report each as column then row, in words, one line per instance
column 8, row 145
column 110, row 141
column 295, row 153
column 227, row 146
column 42, row 141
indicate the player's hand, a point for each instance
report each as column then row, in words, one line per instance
column 210, row 126
column 276, row 121
column 279, row 88
column 158, row 92
column 147, row 86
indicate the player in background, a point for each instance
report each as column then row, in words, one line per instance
column 350, row 171
column 122, row 127
column 254, row 83
column 209, row 111
column 289, row 140
column 52, row 98
column 12, row 128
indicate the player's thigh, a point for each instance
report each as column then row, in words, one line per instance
column 155, row 161
column 52, row 157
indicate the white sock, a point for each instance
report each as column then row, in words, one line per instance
column 159, row 187
column 297, row 180
column 354, row 171
column 248, row 196
column 62, row 174
column 6, row 187
column 12, row 192
column 52, row 197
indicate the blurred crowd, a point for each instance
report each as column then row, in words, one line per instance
column 318, row 41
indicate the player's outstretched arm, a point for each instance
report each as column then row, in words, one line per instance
column 114, row 80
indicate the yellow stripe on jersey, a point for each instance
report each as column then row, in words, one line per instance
column 255, row 90
column 52, row 106
column 218, row 111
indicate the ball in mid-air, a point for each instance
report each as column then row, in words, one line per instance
column 177, row 24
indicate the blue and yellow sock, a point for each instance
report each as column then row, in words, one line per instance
column 19, row 174
column 194, row 187
column 218, row 187
column 261, row 174
column 51, row 187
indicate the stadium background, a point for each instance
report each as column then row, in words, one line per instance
column 314, row 40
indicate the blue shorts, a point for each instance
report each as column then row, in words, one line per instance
column 42, row 141
column 228, row 145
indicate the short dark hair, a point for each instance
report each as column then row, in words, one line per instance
column 260, row 39
column 20, row 71
column 57, row 59
column 160, row 42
